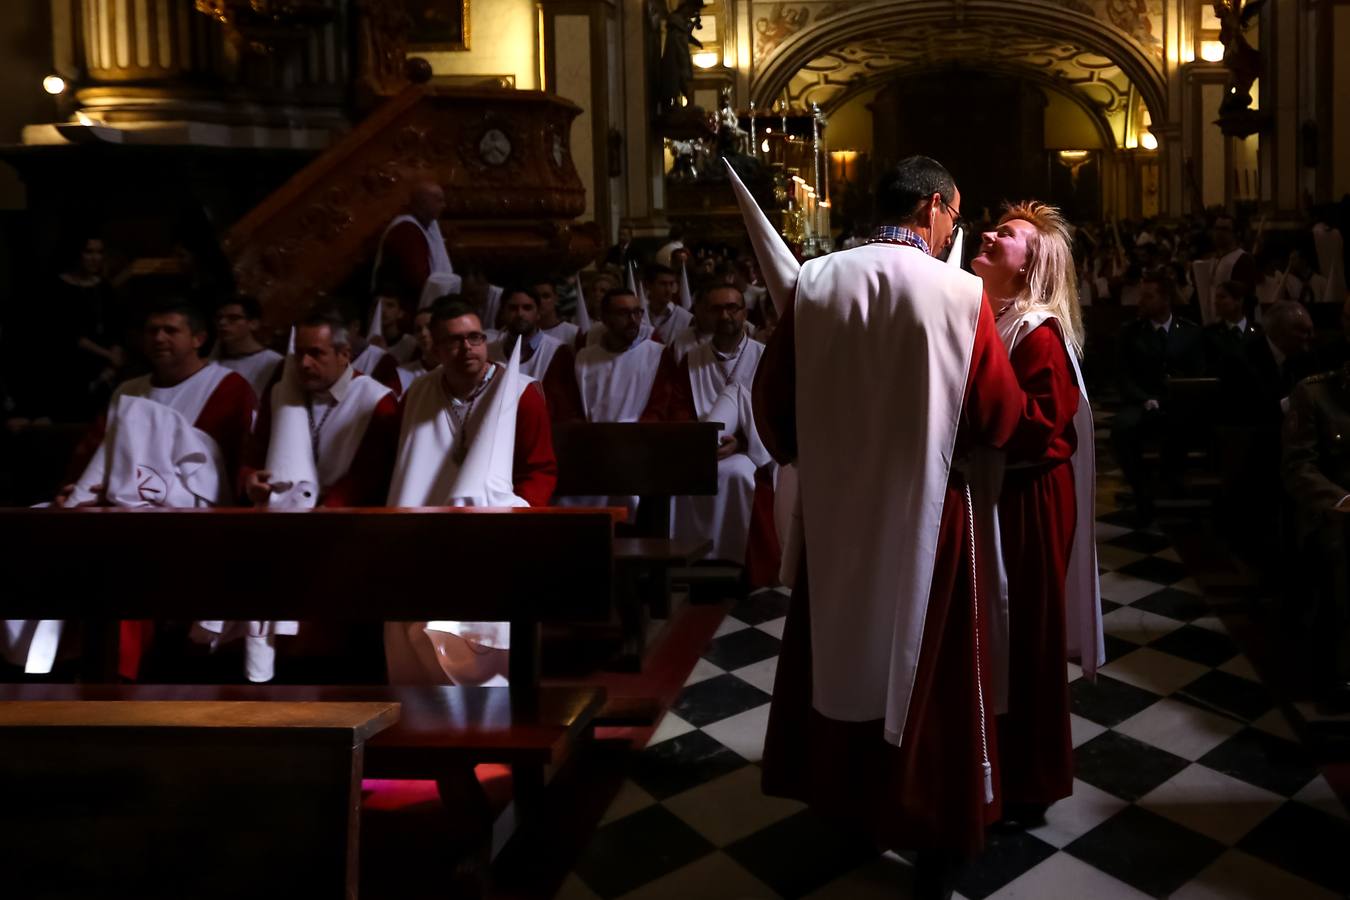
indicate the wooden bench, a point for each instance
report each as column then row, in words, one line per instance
column 334, row 566
column 183, row 799
column 655, row 461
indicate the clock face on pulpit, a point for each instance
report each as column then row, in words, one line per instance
column 494, row 147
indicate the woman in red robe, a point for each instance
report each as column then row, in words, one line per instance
column 1028, row 272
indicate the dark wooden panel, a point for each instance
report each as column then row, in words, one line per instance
column 437, row 725
column 132, row 804
column 549, row 565
column 638, row 458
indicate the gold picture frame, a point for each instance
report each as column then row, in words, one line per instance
column 438, row 25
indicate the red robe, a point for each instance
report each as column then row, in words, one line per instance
column 227, row 417
column 1037, row 516
column 534, row 470
column 366, row 482
column 928, row 792
column 405, row 262
column 559, row 384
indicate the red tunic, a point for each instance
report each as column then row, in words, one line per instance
column 534, row 469
column 1037, row 516
column 928, row 792
column 561, row 391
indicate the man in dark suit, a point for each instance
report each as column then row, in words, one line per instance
column 1155, row 346
column 1225, row 336
column 1257, row 382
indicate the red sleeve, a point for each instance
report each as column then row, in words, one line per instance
column 774, row 393
column 255, row 448
column 535, row 468
column 993, row 404
column 386, row 373
column 228, row 418
column 561, row 391
column 366, row 482
column 1041, row 364
column 405, row 258
column 87, row 447
column 672, row 399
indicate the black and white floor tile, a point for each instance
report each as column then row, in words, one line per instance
column 1189, row 782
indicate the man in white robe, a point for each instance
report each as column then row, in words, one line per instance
column 723, row 366
column 422, row 361
column 472, row 434
column 219, row 406
column 401, row 345
column 550, row 323
column 616, row 374
column 238, row 349
column 667, row 317
column 544, row 358
column 412, row 254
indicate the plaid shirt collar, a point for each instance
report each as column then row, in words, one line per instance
column 897, row 234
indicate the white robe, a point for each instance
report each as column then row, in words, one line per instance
column 151, row 455
column 598, row 331
column 426, row 474
column 537, row 365
column 724, row 517
column 686, row 340
column 258, row 368
column 366, row 361
column 675, row 320
column 873, row 472
column 563, row 331
column 410, row 372
column 615, row 387
column 441, row 277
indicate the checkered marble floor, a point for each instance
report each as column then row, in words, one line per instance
column 1189, row 784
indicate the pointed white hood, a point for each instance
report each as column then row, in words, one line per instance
column 780, row 267
column 582, row 315
column 686, row 298
column 290, row 452
column 958, row 246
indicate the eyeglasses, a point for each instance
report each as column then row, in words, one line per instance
column 626, row 313
column 955, row 213
column 725, row 308
column 470, row 338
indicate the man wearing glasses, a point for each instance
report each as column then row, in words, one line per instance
column 884, row 374
column 445, row 415
column 616, row 375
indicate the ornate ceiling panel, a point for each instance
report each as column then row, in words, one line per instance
column 924, row 48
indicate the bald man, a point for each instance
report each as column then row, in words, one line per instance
column 412, row 256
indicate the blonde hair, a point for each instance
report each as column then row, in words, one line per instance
column 1052, row 284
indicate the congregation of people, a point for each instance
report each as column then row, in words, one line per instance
column 440, row 388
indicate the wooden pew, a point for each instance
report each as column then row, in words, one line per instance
column 99, row 566
column 183, row 799
column 655, row 461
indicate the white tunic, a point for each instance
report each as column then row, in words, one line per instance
column 687, row 340
column 721, row 383
column 873, row 472
column 615, row 387
column 369, row 358
column 670, row 323
column 545, row 348
column 598, row 332
column 441, row 276
column 410, row 372
column 563, row 331
column 258, row 368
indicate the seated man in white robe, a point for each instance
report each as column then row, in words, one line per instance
column 550, row 323
column 698, row 332
column 422, row 361
column 617, row 373
column 473, row 434
column 722, row 368
column 238, row 320
column 137, row 461
column 544, row 358
column 369, row 355
column 326, row 436
column 667, row 317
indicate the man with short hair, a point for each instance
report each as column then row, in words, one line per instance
column 667, row 317
column 455, row 422
column 130, row 456
column 422, row 361
column 392, row 337
column 550, row 323
column 885, row 373
column 544, row 358
column 701, row 326
column 1225, row 336
column 412, row 253
column 238, row 319
column 616, row 373
column 352, row 423
column 1232, row 263
column 722, row 369
column 1153, row 347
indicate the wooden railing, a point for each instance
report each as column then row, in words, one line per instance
column 323, row 225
